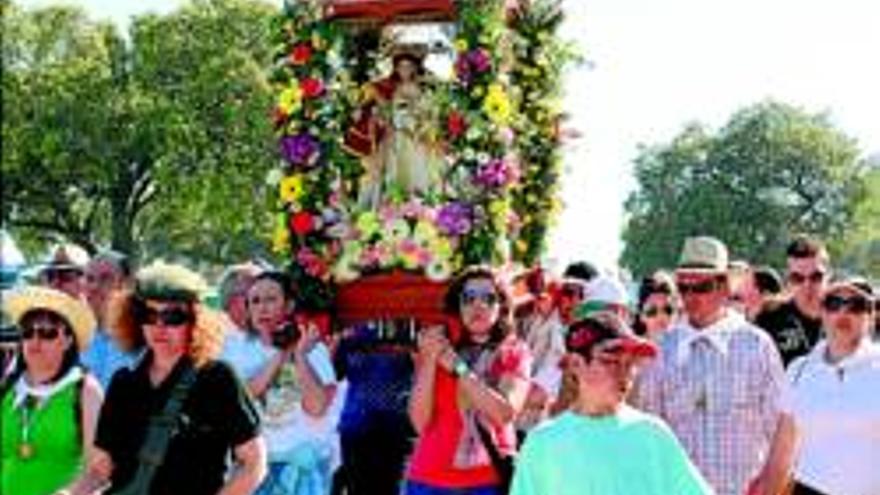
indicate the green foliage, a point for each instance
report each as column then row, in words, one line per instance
column 158, row 143
column 540, row 60
column 858, row 251
column 771, row 172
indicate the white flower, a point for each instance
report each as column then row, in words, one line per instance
column 273, row 178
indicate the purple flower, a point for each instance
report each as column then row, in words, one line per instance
column 454, row 219
column 301, row 149
column 495, row 173
column 479, row 60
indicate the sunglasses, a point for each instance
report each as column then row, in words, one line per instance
column 470, row 296
column 855, row 304
column 705, row 287
column 652, row 311
column 42, row 332
column 61, row 276
column 171, row 317
column 796, row 278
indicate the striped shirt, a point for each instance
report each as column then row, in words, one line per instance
column 719, row 389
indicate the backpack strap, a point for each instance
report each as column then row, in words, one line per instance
column 159, row 432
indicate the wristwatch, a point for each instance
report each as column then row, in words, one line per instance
column 460, row 367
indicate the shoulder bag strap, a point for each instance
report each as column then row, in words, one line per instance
column 158, row 436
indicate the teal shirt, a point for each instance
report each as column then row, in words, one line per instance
column 629, row 453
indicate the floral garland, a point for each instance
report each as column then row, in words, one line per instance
column 314, row 98
column 540, row 57
column 330, row 240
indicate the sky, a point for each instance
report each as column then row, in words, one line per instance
column 655, row 66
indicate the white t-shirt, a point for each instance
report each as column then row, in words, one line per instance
column 285, row 425
column 836, row 408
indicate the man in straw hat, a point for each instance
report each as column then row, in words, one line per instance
column 599, row 445
column 719, row 379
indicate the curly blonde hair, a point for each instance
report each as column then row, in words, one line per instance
column 166, row 283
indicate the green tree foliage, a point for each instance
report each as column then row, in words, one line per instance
column 859, row 250
column 158, row 142
column 771, row 172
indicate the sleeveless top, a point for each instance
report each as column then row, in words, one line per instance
column 40, row 447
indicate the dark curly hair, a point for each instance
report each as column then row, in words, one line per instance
column 504, row 326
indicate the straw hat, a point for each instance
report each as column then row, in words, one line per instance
column 75, row 312
column 170, row 282
column 703, row 255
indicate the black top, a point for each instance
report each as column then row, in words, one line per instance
column 217, row 416
column 793, row 332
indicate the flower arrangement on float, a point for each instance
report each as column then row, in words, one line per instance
column 482, row 131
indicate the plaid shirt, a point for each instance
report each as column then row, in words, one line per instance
column 719, row 389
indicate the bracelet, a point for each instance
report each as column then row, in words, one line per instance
column 460, row 368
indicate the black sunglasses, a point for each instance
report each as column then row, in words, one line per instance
column 799, row 278
column 43, row 332
column 705, row 287
column 855, row 304
column 171, row 317
column 652, row 311
column 470, row 296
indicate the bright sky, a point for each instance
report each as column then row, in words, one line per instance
column 657, row 65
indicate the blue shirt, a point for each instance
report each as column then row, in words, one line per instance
column 103, row 357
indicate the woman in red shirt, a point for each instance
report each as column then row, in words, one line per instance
column 467, row 392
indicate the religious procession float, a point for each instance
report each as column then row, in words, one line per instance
column 416, row 137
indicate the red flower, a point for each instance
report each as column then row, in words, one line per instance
column 455, row 124
column 302, row 223
column 311, row 87
column 301, row 54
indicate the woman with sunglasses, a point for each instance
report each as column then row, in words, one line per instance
column 170, row 424
column 50, row 405
column 467, row 392
column 658, row 305
column 832, row 404
column 290, row 374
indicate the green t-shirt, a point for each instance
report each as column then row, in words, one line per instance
column 628, row 453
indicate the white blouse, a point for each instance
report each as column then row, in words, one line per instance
column 836, row 408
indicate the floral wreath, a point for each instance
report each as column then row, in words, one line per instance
column 484, row 130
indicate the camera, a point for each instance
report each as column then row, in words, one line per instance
column 286, row 335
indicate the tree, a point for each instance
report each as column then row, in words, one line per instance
column 859, row 250
column 772, row 171
column 158, row 143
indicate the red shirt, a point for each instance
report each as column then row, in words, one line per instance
column 449, row 452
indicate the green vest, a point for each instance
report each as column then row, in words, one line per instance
column 56, row 445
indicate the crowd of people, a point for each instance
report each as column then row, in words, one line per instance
column 718, row 377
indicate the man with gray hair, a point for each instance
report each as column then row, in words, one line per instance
column 233, row 288
column 104, row 275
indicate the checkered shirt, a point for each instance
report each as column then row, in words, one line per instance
column 719, row 389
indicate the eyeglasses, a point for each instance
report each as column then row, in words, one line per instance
column 62, row 275
column 796, row 278
column 854, row 305
column 470, row 296
column 705, row 287
column 652, row 311
column 42, row 332
column 171, row 317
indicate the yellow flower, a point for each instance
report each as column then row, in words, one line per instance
column 497, row 105
column 461, row 45
column 281, row 236
column 521, row 245
column 442, row 248
column 317, row 41
column 368, row 224
column 291, row 188
column 290, row 99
